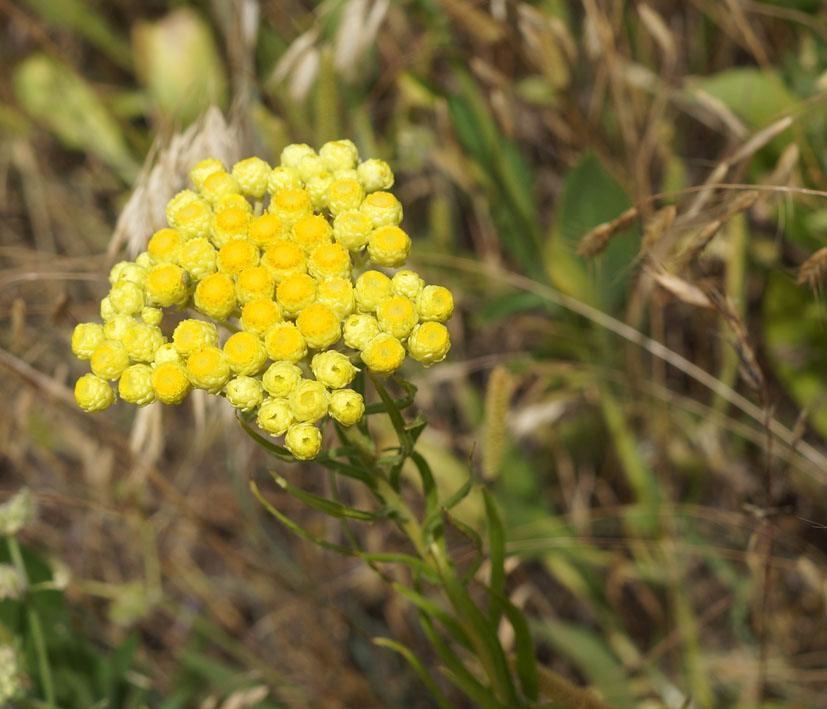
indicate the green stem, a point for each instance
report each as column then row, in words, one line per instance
column 33, row 620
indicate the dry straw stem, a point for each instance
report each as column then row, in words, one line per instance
column 655, row 228
column 813, row 271
column 598, row 238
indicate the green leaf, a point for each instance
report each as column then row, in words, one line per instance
column 458, row 496
column 591, row 196
column 63, row 102
column 401, row 404
column 526, row 657
column 432, row 610
column 455, row 670
column 322, row 504
column 591, row 656
column 424, row 675
column 475, row 539
column 496, row 543
column 428, row 482
column 290, row 524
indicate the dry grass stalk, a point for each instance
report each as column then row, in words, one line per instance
column 659, row 222
column 683, row 290
column 749, row 369
column 813, row 271
column 699, row 242
column 497, row 396
column 598, row 238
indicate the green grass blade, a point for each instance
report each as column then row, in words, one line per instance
column 424, row 675
column 322, row 504
column 496, row 543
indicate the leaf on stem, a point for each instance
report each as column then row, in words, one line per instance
column 275, row 450
column 322, row 504
column 496, row 543
column 424, row 675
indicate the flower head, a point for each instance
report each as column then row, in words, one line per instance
column 384, row 354
column 303, row 440
column 135, row 385
column 92, row 393
column 170, row 382
column 208, row 368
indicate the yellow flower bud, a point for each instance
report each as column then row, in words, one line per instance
column 127, row 298
column 208, row 369
column 435, row 303
column 265, row 230
column 232, row 223
column 167, row 353
column 86, row 338
column 178, row 202
column 204, row 169
column 407, row 283
column 303, row 440
column 319, row 326
column 116, row 328
column 283, row 178
column 310, row 166
column 215, row 296
column 284, row 343
column 152, row 316
column 283, row 258
column 337, row 294
column 359, row 329
column 107, row 309
column 166, row 285
column 143, row 260
column 333, row 369
column 317, row 187
column 346, row 406
column 191, row 335
column 344, row 195
column 429, row 343
column 244, row 393
column 170, row 382
column 310, row 231
column 397, row 316
column 236, row 255
column 198, row 258
column 218, row 185
column 254, row 282
column 274, row 416
column 259, row 314
column 281, row 378
column 339, row 155
column 352, row 229
column 193, row 219
column 290, row 204
column 384, row 354
column 233, row 201
column 295, row 293
column 389, row 246
column 128, row 271
column 93, row 393
column 252, row 174
column 292, row 154
column 329, row 261
column 308, row 401
column 245, row 353
column 164, row 245
column 135, row 385
column 372, row 287
column 382, row 208
column 109, row 360
column 375, row 175
column 141, row 342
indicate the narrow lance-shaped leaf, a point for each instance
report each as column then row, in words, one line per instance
column 322, row 504
column 496, row 542
column 424, row 675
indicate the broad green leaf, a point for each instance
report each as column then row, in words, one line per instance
column 63, row 102
column 591, row 196
column 179, row 64
column 418, row 667
column 322, row 504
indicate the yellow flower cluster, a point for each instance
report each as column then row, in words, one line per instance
column 291, row 281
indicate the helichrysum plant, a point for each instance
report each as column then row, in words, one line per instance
column 294, row 283
column 301, row 263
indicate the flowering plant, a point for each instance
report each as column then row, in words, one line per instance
column 296, row 272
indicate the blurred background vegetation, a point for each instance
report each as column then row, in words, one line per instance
column 651, row 418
